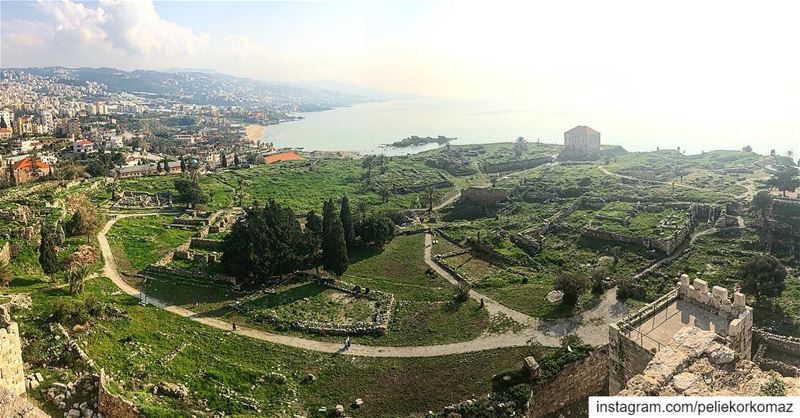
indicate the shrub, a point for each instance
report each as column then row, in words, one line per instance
column 598, row 277
column 462, row 295
column 763, row 275
column 572, row 285
column 773, row 387
column 629, row 288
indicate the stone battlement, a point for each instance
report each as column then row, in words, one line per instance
column 635, row 339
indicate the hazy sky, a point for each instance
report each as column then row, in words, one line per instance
column 707, row 64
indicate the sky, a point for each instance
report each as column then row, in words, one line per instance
column 701, row 64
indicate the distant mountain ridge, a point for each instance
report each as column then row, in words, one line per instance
column 203, row 86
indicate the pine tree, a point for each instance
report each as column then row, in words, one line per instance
column 47, row 253
column 347, row 224
column 334, row 248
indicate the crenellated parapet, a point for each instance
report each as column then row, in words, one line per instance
column 735, row 310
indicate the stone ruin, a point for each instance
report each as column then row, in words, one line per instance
column 12, row 375
column 136, row 199
column 697, row 363
column 635, row 340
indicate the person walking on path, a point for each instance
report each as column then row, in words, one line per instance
column 347, row 343
column 233, row 326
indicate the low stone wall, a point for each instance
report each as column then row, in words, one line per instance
column 111, row 405
column 206, row 244
column 516, row 165
column 380, row 321
column 485, row 196
column 12, row 373
column 576, row 381
column 200, row 276
column 786, row 347
column 666, row 245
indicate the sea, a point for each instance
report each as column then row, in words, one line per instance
column 369, row 127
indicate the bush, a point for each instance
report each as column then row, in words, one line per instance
column 627, row 288
column 763, row 275
column 598, row 277
column 773, row 387
column 70, row 312
column 462, row 295
column 573, row 285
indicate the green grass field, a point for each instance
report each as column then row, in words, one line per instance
column 139, row 241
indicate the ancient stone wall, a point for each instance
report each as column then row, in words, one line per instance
column 577, row 381
column 12, row 373
column 626, row 359
column 516, row 165
column 485, row 196
column 772, row 352
column 206, row 244
column 111, row 405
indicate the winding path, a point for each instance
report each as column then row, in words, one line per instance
column 590, row 326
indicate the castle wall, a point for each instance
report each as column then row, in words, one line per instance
column 626, row 359
column 577, row 381
column 12, row 374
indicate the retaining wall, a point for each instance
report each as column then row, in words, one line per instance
column 577, row 381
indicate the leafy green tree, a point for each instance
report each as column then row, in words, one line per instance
column 85, row 220
column 347, row 224
column 190, row 192
column 785, row 180
column 183, row 164
column 334, row 247
column 520, row 146
column 762, row 202
column 47, row 254
column 573, row 285
column 265, row 243
column 377, row 229
column 763, row 275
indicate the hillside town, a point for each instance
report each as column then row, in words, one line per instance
column 55, row 129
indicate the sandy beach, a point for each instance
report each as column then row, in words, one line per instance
column 254, row 132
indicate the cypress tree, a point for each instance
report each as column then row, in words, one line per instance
column 47, row 254
column 347, row 224
column 334, row 248
column 223, row 159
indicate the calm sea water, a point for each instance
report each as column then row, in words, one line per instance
column 366, row 127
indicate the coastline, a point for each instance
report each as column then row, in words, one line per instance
column 254, row 132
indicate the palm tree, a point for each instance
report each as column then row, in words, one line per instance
column 76, row 277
